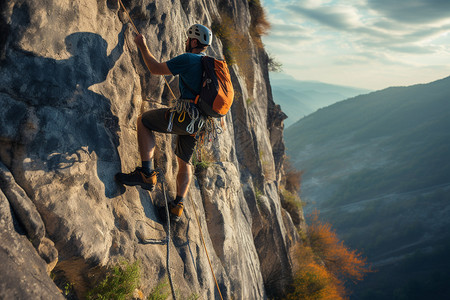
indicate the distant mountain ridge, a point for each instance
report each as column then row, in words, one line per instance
column 377, row 166
column 299, row 98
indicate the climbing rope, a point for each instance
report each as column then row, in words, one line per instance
column 165, row 197
column 162, row 183
column 168, row 242
column 206, row 250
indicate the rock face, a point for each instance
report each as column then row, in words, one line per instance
column 72, row 84
column 24, row 272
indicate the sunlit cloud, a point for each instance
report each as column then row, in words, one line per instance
column 337, row 17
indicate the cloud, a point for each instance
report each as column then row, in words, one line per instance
column 287, row 38
column 337, row 17
column 364, row 28
column 414, row 41
column 392, row 19
column 412, row 11
column 289, row 32
column 348, row 60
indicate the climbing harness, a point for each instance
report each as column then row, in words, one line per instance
column 210, row 127
column 183, row 107
column 207, row 128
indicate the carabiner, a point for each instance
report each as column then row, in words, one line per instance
column 181, row 120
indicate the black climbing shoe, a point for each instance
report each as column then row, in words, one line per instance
column 176, row 211
column 138, row 177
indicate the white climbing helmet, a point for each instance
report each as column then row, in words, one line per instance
column 201, row 33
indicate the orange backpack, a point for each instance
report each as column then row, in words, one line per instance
column 217, row 93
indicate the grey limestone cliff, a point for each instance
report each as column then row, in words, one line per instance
column 72, row 84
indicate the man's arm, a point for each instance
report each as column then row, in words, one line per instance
column 152, row 64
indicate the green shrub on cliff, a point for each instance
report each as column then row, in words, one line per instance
column 119, row 283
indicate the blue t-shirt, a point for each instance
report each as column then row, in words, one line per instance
column 189, row 67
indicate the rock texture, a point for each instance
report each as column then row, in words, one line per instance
column 72, row 84
column 24, row 272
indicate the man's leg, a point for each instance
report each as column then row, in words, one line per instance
column 184, row 177
column 144, row 176
column 146, row 141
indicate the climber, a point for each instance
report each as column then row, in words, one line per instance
column 184, row 120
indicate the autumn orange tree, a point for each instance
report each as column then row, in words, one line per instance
column 341, row 261
column 312, row 281
column 324, row 264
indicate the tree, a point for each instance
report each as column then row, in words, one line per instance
column 323, row 264
column 312, row 281
column 342, row 262
column 292, row 177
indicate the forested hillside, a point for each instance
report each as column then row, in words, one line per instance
column 377, row 167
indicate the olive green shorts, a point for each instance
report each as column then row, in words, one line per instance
column 158, row 120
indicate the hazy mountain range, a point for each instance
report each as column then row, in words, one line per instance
column 377, row 166
column 300, row 98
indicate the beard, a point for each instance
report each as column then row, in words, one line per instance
column 188, row 48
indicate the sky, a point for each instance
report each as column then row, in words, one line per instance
column 371, row 44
